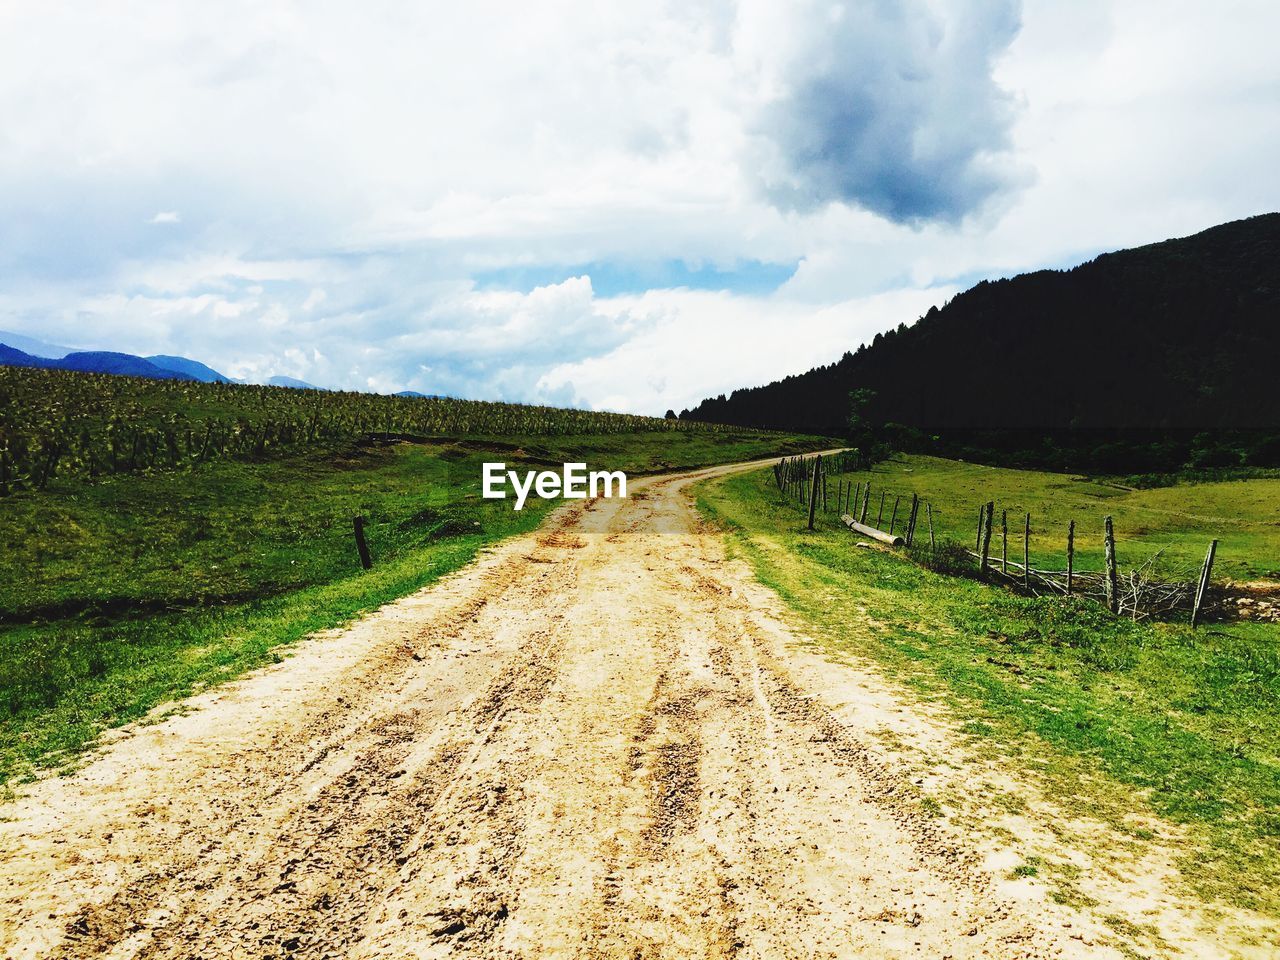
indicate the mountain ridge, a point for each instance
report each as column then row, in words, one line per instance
column 33, row 346
column 192, row 368
column 157, row 367
column 92, row 361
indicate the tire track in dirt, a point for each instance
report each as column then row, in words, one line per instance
column 303, row 899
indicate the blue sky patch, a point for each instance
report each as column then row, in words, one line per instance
column 608, row 279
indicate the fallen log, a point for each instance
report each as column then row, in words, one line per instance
column 871, row 532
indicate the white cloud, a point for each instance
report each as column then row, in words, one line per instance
column 652, row 369
column 888, row 106
column 343, row 179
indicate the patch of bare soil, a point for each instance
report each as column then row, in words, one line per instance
column 1247, row 600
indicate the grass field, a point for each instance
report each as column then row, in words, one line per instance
column 122, row 594
column 1180, row 519
column 1106, row 709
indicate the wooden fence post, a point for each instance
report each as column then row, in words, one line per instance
column 933, row 544
column 1071, row 554
column 366, row 561
column 1203, row 586
column 977, row 540
column 911, row 522
column 989, row 510
column 1109, row 581
column 893, row 517
column 866, row 502
column 1026, row 554
column 880, row 513
column 813, row 488
column 1004, row 541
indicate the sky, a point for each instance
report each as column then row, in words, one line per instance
column 616, row 206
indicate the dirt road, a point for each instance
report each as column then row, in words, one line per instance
column 596, row 742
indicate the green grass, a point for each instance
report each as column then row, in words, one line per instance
column 118, row 596
column 1181, row 519
column 1029, row 869
column 1108, row 710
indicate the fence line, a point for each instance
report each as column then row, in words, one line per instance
column 1137, row 593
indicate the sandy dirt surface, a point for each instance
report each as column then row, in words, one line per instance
column 596, row 741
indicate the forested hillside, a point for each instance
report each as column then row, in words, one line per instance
column 1148, row 358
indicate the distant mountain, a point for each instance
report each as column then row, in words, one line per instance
column 1147, row 348
column 10, row 357
column 158, row 367
column 192, row 368
column 411, row 393
column 122, row 364
column 279, row 381
column 32, row 346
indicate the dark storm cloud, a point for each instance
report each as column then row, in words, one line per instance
column 892, row 107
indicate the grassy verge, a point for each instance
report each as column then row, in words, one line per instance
column 121, row 595
column 1180, row 520
column 1104, row 709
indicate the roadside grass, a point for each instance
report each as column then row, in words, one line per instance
column 1180, row 519
column 120, row 595
column 1115, row 715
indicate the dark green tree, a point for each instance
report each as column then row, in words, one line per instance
column 859, row 427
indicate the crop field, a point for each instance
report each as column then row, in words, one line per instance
column 152, row 579
column 58, row 424
column 1176, row 522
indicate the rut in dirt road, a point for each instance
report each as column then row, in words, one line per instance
column 587, row 744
